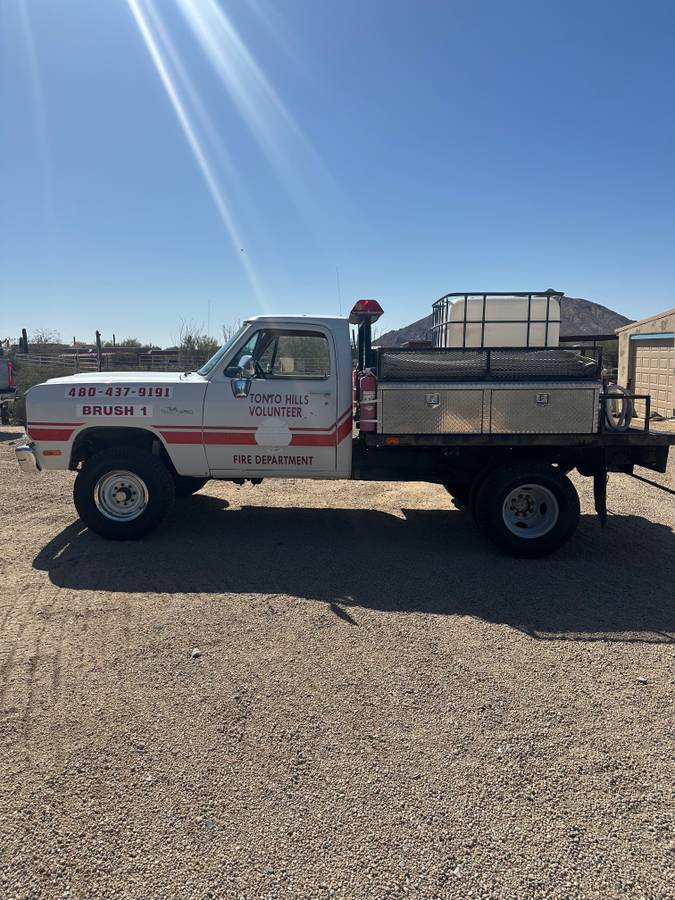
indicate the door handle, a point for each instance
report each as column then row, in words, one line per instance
column 319, row 394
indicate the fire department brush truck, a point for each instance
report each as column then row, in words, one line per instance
column 495, row 411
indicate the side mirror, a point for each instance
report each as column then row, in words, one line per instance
column 241, row 384
column 240, row 387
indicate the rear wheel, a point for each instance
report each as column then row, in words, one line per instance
column 186, row 485
column 123, row 492
column 528, row 510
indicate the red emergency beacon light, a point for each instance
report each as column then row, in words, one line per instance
column 365, row 311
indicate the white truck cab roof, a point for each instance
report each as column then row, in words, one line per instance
column 327, row 321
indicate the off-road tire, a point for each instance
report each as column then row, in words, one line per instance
column 158, row 481
column 186, row 485
column 495, row 488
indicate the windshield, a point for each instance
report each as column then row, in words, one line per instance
column 220, row 354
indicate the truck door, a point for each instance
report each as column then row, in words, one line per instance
column 283, row 420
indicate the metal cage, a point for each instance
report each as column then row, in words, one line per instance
column 441, row 308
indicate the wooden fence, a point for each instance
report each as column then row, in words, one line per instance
column 115, row 361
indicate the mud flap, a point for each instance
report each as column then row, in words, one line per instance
column 600, row 479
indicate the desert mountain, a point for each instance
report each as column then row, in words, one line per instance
column 578, row 316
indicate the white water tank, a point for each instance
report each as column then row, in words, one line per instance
column 497, row 320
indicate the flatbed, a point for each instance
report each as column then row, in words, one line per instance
column 633, row 437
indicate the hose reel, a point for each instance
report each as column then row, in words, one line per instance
column 618, row 412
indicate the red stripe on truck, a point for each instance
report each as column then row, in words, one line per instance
column 323, row 440
column 49, row 434
column 313, row 440
column 196, row 437
column 344, row 429
column 238, row 435
column 182, row 437
column 232, row 437
column 239, row 438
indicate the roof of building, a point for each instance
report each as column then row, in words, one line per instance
column 633, row 325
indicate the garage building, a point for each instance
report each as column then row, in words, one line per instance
column 647, row 361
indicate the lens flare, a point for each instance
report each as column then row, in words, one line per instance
column 269, row 18
column 261, row 108
column 298, row 169
column 253, row 95
column 38, row 104
column 139, row 10
column 191, row 97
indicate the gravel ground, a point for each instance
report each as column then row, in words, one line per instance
column 383, row 705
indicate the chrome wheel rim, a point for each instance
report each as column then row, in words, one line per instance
column 121, row 496
column 530, row 511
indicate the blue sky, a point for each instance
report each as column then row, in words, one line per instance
column 421, row 147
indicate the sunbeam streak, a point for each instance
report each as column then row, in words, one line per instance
column 192, row 138
column 174, row 62
column 39, row 105
column 263, row 111
column 250, row 90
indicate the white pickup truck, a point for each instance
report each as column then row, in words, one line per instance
column 282, row 399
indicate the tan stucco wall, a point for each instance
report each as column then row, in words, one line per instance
column 665, row 322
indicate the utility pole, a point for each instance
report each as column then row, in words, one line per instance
column 339, row 290
column 99, row 353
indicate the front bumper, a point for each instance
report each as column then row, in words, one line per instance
column 27, row 458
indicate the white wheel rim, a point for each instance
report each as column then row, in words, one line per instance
column 530, row 511
column 121, row 496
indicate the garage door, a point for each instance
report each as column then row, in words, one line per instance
column 654, row 373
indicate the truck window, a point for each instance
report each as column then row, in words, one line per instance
column 292, row 354
column 223, row 351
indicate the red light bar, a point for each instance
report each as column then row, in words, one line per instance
column 365, row 311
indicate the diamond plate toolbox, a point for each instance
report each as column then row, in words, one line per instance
column 430, row 409
column 495, row 408
column 544, row 409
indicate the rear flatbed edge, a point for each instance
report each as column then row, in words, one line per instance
column 631, row 438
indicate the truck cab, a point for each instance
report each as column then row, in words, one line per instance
column 278, row 400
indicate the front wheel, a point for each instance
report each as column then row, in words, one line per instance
column 123, row 493
column 528, row 510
